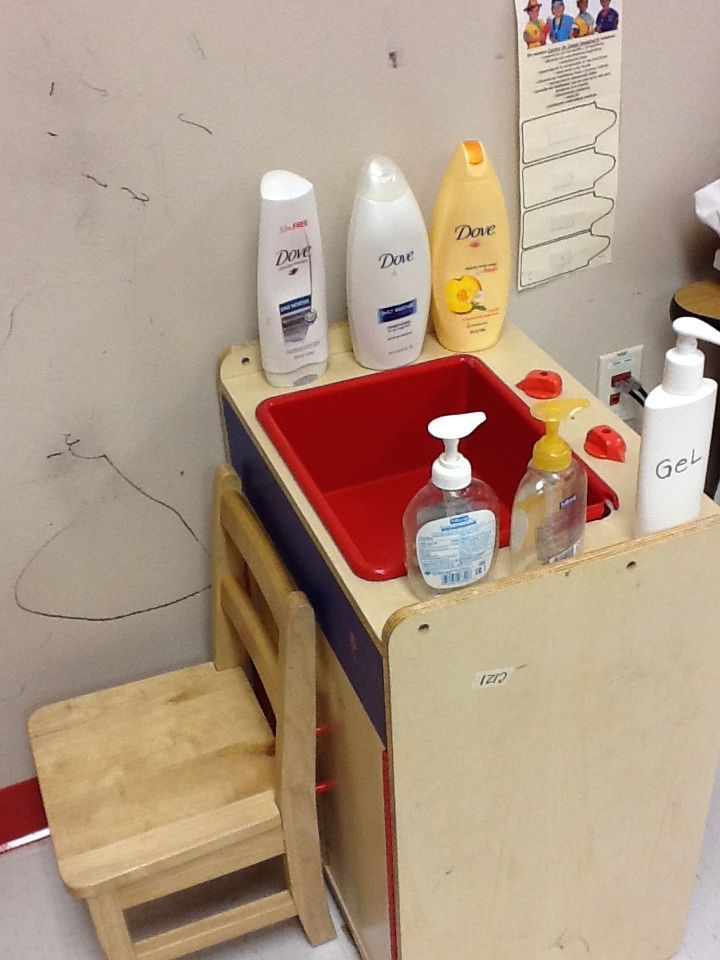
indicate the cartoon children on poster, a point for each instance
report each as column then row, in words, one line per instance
column 561, row 25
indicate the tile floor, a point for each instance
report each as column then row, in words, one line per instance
column 39, row 921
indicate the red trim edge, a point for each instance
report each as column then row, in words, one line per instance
column 22, row 815
column 390, row 855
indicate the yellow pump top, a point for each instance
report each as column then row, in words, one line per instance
column 551, row 453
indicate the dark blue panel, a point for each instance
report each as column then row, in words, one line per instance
column 345, row 633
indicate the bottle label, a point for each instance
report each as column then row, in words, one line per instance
column 473, row 297
column 550, row 537
column 456, row 551
column 566, row 554
column 397, row 311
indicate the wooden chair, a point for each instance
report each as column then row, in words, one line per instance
column 159, row 785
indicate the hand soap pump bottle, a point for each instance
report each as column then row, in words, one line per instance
column 676, row 433
column 550, row 506
column 451, row 524
column 388, row 269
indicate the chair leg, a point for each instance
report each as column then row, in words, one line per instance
column 110, row 926
column 305, row 880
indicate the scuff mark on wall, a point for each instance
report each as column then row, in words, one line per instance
column 89, row 176
column 101, row 90
column 15, row 696
column 142, row 197
column 568, row 940
column 28, row 296
column 197, row 44
column 192, row 123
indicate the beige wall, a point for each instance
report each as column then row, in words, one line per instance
column 113, row 309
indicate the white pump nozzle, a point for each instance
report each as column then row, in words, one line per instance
column 691, row 329
column 451, row 470
column 684, row 363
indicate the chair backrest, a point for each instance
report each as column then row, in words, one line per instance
column 258, row 613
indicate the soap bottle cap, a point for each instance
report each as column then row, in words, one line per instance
column 451, row 470
column 468, row 162
column 551, row 453
column 382, row 179
column 280, row 185
column 685, row 363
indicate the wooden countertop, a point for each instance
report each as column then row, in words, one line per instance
column 241, row 380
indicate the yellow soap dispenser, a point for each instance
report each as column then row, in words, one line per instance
column 470, row 252
column 550, row 506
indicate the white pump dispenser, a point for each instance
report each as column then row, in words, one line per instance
column 451, row 524
column 677, row 428
column 451, row 470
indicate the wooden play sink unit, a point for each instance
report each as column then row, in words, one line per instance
column 520, row 770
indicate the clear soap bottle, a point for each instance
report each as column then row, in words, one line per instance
column 550, row 506
column 451, row 524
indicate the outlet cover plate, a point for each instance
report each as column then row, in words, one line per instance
column 613, row 365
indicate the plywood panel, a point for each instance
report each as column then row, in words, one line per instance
column 351, row 810
column 554, row 746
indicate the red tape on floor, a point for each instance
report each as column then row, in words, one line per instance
column 22, row 815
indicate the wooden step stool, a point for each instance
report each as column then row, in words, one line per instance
column 156, row 786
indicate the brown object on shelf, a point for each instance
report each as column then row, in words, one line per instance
column 159, row 785
column 700, row 299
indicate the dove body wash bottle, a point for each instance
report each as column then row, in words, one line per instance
column 470, row 253
column 292, row 315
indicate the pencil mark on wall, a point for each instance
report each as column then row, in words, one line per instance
column 52, row 88
column 70, row 444
column 39, row 609
column 28, row 296
column 197, row 44
column 394, row 59
column 116, row 616
column 89, row 176
column 46, row 288
column 142, row 197
column 192, row 123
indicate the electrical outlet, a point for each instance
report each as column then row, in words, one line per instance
column 612, row 369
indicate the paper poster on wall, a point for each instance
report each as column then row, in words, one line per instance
column 569, row 58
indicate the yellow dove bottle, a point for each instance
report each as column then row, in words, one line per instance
column 470, row 253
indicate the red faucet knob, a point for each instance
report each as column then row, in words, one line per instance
column 605, row 443
column 541, row 384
